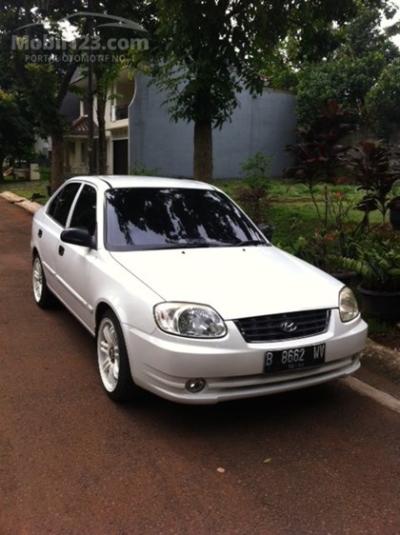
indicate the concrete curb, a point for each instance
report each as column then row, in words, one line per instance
column 29, row 206
column 383, row 359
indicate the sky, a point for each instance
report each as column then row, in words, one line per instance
column 395, row 19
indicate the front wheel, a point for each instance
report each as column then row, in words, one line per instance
column 41, row 293
column 113, row 360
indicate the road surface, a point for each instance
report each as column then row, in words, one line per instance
column 325, row 460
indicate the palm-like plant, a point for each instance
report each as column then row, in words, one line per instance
column 376, row 167
column 378, row 264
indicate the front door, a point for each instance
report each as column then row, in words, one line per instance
column 50, row 229
column 120, row 158
column 76, row 265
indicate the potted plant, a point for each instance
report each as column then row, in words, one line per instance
column 394, row 207
column 378, row 265
column 376, row 167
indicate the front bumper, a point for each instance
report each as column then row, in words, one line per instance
column 233, row 369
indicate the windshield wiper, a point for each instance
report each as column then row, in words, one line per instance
column 195, row 245
column 250, row 242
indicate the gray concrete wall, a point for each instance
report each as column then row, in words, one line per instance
column 266, row 124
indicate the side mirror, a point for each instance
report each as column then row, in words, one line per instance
column 77, row 236
column 267, row 230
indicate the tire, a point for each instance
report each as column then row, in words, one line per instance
column 112, row 358
column 42, row 296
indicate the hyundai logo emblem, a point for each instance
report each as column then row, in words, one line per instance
column 288, row 326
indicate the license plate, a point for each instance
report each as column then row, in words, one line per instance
column 294, row 359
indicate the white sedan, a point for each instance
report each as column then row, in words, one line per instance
column 185, row 295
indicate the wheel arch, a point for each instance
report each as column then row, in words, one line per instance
column 102, row 307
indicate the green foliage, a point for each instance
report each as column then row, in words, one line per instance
column 16, row 135
column 318, row 149
column 346, row 79
column 336, row 235
column 205, row 52
column 378, row 264
column 383, row 101
column 29, row 190
column 348, row 73
column 375, row 167
column 142, row 170
column 313, row 249
column 254, row 190
column 256, row 170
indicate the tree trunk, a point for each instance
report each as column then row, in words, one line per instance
column 102, row 152
column 57, row 160
column 203, row 151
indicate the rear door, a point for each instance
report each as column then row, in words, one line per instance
column 49, row 230
column 76, row 266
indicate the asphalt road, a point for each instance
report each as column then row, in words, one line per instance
column 325, row 460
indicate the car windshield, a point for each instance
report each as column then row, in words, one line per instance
column 167, row 218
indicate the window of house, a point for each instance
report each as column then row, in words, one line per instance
column 60, row 206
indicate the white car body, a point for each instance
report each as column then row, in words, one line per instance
column 237, row 282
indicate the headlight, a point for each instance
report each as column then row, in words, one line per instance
column 187, row 319
column 348, row 306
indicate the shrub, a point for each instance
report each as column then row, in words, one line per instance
column 378, row 264
column 254, row 193
column 376, row 167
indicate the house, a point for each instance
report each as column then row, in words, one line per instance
column 142, row 137
column 116, row 124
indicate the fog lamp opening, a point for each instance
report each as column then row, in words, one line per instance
column 195, row 386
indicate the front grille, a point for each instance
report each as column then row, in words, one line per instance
column 279, row 326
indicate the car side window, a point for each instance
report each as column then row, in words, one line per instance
column 84, row 215
column 60, row 206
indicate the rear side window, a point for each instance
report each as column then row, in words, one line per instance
column 84, row 215
column 60, row 206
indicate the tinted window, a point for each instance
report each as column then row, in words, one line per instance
column 84, row 215
column 61, row 204
column 150, row 218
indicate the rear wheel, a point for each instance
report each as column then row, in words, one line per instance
column 41, row 293
column 113, row 359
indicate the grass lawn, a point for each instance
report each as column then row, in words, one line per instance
column 26, row 189
column 291, row 210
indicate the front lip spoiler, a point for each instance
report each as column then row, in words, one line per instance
column 220, row 390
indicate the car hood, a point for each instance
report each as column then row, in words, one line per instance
column 237, row 282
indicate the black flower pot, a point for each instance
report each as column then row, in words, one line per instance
column 395, row 218
column 384, row 305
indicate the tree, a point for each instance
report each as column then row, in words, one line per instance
column 16, row 135
column 205, row 52
column 16, row 120
column 349, row 72
column 44, row 85
column 383, row 101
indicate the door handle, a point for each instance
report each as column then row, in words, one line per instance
column 40, row 233
column 61, row 250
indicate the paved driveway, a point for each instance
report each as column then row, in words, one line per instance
column 320, row 461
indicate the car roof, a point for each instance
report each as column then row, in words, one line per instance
column 133, row 181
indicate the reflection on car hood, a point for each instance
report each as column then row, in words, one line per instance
column 238, row 282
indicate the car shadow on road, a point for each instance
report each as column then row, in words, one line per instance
column 274, row 410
